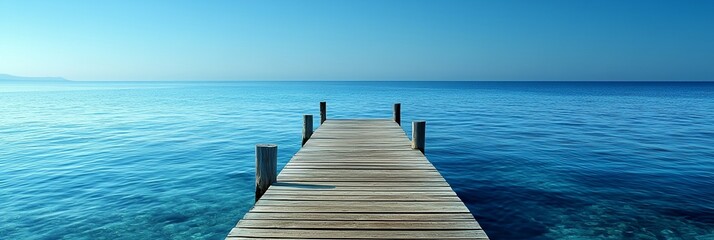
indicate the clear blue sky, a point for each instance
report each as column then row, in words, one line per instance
column 359, row 40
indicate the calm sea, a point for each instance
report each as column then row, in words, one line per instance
column 532, row 160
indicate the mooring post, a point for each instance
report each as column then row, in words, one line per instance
column 398, row 113
column 306, row 128
column 266, row 168
column 323, row 112
column 418, row 135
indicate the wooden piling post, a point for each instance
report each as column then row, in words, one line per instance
column 306, row 128
column 418, row 135
column 397, row 113
column 323, row 112
column 266, row 168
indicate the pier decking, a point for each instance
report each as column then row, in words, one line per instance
column 359, row 179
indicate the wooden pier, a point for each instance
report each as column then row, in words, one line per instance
column 356, row 179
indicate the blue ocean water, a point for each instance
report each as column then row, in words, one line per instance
column 532, row 160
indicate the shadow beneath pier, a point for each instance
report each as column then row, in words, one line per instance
column 303, row 186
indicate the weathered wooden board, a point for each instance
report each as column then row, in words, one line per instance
column 359, row 179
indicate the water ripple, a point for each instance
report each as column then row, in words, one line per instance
column 531, row 160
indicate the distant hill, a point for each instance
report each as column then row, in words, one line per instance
column 11, row 78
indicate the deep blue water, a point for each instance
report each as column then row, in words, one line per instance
column 532, row 160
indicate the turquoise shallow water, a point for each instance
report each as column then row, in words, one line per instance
column 532, row 160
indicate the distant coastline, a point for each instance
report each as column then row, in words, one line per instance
column 12, row 78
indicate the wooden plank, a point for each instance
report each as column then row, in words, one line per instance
column 371, row 224
column 368, row 184
column 356, row 234
column 308, row 159
column 362, row 193
column 360, row 164
column 374, row 208
column 310, row 188
column 357, row 173
column 370, row 198
column 358, row 179
column 345, row 204
column 358, row 167
column 362, row 216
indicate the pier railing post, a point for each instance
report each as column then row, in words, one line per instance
column 266, row 168
column 306, row 128
column 398, row 113
column 418, row 135
column 323, row 112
